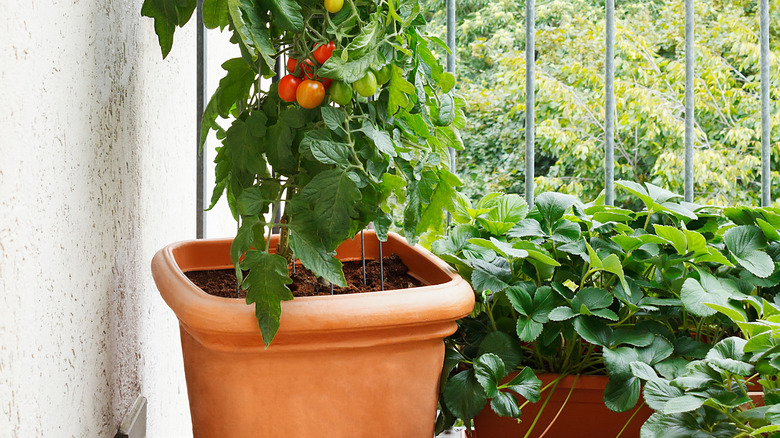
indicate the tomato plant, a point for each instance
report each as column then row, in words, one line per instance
column 288, row 87
column 365, row 86
column 310, row 94
column 327, row 171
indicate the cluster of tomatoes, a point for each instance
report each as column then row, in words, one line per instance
column 302, row 86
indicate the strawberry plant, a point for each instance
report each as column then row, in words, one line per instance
column 326, row 160
column 574, row 288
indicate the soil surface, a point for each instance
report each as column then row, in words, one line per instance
column 222, row 282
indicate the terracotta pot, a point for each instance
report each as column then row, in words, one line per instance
column 584, row 415
column 361, row 365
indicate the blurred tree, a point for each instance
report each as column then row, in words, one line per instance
column 649, row 91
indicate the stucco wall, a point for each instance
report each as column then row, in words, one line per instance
column 96, row 174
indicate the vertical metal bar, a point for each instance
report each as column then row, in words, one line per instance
column 766, row 178
column 452, row 44
column 200, row 95
column 609, row 106
column 278, row 215
column 689, row 115
column 530, row 99
column 451, row 36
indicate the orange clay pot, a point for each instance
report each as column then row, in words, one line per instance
column 584, row 415
column 351, row 366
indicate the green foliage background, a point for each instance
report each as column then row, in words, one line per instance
column 649, row 88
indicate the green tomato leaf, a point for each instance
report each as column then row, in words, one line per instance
column 287, row 15
column 266, row 286
column 312, row 253
column 215, row 14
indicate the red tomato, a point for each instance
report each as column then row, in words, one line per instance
column 322, row 52
column 292, row 67
column 325, row 82
column 291, row 63
column 310, row 94
column 288, row 86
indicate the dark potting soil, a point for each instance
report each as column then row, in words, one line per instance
column 222, row 282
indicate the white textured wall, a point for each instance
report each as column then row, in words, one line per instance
column 96, row 174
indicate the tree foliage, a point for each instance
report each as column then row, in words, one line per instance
column 649, row 91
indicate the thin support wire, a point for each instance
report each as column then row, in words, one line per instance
column 609, row 106
column 381, row 265
column 363, row 254
column 530, row 99
column 689, row 107
column 200, row 95
column 766, row 178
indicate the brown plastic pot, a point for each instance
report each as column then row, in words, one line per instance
column 584, row 415
column 360, row 365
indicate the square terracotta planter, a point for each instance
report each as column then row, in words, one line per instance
column 360, row 365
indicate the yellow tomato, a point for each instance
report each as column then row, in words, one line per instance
column 334, row 6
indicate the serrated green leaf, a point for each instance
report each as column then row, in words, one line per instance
column 658, row 392
column 489, row 370
column 746, row 242
column 683, row 403
column 464, row 396
column 287, row 14
column 505, row 405
column 593, row 330
column 526, row 384
column 325, row 149
column 552, row 205
column 503, row 346
column 215, row 14
column 674, row 235
column 266, row 286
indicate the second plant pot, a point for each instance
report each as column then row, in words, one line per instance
column 583, row 415
column 351, row 366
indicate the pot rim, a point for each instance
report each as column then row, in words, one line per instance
column 431, row 304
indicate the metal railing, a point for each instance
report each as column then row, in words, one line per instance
column 609, row 113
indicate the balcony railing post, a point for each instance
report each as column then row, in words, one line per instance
column 530, row 67
column 451, row 43
column 689, row 107
column 200, row 95
column 609, row 105
column 766, row 177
